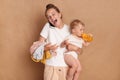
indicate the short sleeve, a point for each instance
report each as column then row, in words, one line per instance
column 45, row 30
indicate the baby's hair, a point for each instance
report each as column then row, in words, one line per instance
column 76, row 22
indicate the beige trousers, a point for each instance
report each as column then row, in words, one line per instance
column 55, row 73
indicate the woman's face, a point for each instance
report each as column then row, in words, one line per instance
column 53, row 17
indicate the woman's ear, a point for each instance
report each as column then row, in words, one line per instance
column 60, row 15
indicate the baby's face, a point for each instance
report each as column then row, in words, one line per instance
column 78, row 30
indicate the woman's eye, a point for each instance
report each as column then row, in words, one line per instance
column 48, row 17
column 53, row 14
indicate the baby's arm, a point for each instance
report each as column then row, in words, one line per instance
column 72, row 47
column 86, row 43
column 69, row 46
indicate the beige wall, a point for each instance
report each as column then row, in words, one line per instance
column 22, row 20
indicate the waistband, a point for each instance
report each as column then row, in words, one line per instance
column 56, row 67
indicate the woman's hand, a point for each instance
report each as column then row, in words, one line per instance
column 34, row 46
column 64, row 43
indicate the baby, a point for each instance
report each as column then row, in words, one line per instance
column 71, row 57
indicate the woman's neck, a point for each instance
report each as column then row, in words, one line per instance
column 61, row 25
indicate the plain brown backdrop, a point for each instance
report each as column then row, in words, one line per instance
column 22, row 20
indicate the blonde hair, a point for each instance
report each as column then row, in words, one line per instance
column 74, row 23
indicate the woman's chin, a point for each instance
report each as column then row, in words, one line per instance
column 56, row 25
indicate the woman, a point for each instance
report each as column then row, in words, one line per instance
column 54, row 32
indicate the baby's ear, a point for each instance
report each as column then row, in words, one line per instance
column 72, row 30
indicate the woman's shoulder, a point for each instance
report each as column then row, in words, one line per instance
column 47, row 24
column 66, row 26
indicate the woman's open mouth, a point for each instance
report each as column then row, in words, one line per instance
column 54, row 22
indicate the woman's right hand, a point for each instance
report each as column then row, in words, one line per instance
column 34, row 46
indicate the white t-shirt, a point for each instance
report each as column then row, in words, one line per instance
column 55, row 36
column 75, row 41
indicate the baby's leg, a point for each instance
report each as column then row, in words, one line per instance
column 71, row 62
column 77, row 73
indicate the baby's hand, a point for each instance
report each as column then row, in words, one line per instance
column 90, row 34
column 87, row 37
column 86, row 43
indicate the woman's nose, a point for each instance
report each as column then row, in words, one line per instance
column 52, row 17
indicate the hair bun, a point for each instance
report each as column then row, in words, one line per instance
column 50, row 6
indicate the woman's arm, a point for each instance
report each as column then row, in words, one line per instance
column 72, row 47
column 36, row 44
column 41, row 39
